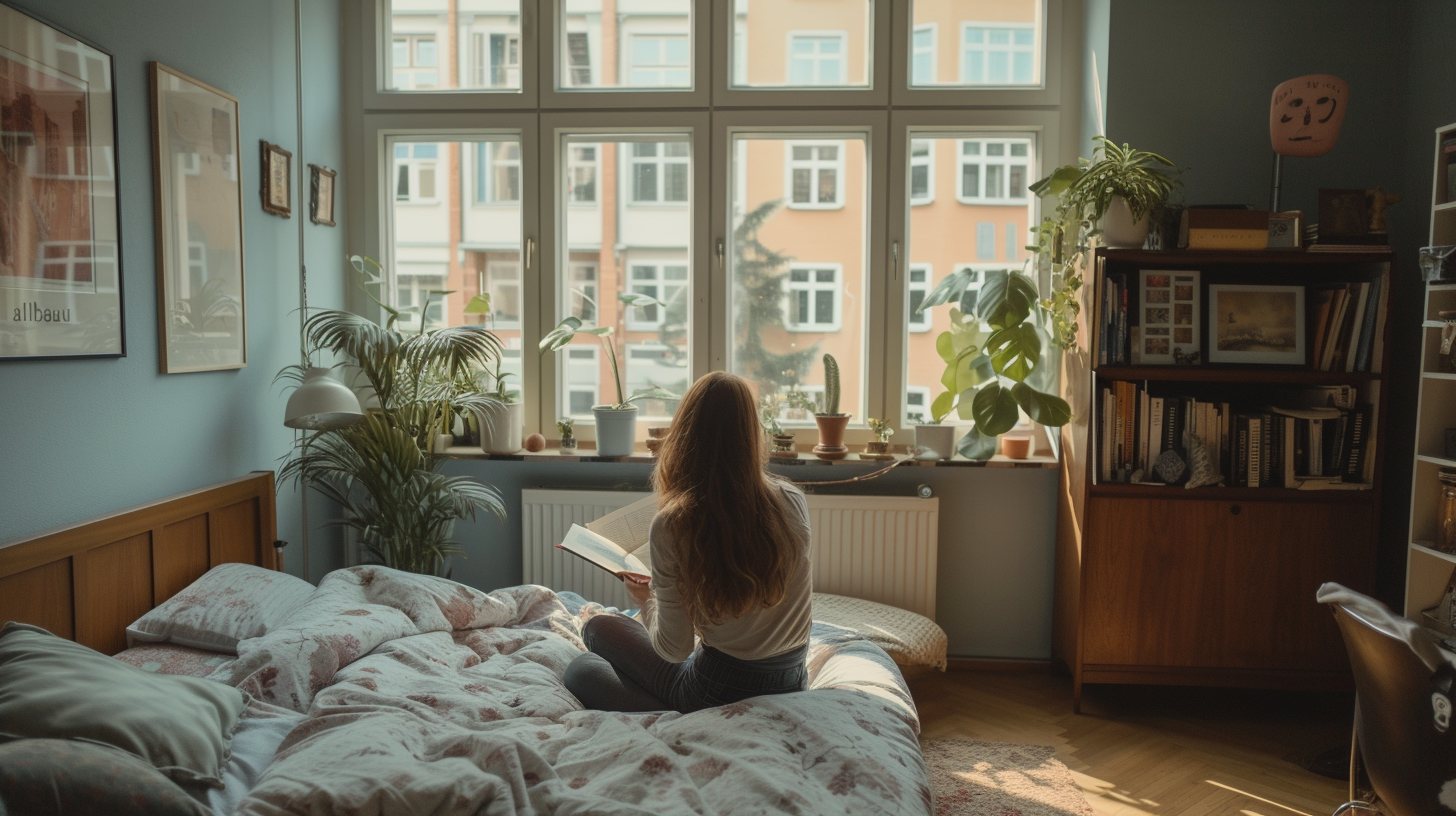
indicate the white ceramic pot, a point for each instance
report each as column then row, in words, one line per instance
column 1119, row 230
column 938, row 439
column 500, row 427
column 616, row 429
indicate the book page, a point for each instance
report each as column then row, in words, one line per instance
column 598, row 550
column 629, row 526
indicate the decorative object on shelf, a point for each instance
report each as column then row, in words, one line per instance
column 60, row 237
column 1286, row 230
column 567, row 428
column 503, row 422
column 993, row 358
column 616, row 423
column 535, row 443
column 935, row 441
column 1446, row 514
column 1447, row 354
column 879, row 449
column 783, row 447
column 655, row 437
column 1170, row 331
column 1116, row 178
column 199, row 224
column 1256, row 324
column 321, row 195
column 830, row 421
column 1016, row 446
column 1231, row 228
column 1305, row 114
column 384, row 470
column 277, row 180
column 1378, row 201
column 1436, row 262
column 443, row 443
column 1345, row 218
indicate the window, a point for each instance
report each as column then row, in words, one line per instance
column 582, row 291
column 665, row 282
column 816, row 59
column 497, row 172
column 922, row 57
column 1013, row 246
column 414, row 172
column 922, row 171
column 417, row 285
column 985, row 241
column 813, row 298
column 659, row 172
column 917, row 405
column 503, row 282
column 816, row 175
column 660, row 62
column 655, row 365
column 496, row 60
column 993, row 54
column 581, row 174
column 196, row 266
column 919, row 288
column 578, row 59
column 416, row 65
column 994, row 171
column 583, row 378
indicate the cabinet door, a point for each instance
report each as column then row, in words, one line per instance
column 1219, row 584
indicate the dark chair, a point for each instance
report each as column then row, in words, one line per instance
column 1403, row 743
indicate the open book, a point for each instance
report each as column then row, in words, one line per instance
column 617, row 542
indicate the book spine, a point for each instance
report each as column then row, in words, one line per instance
column 1228, row 238
column 1377, row 344
column 1367, row 333
column 1155, row 433
column 1240, row 476
column 1128, row 405
column 1301, row 447
column 1122, row 328
column 1354, row 462
column 1357, row 328
column 1256, row 461
column 1290, row 452
column 1274, row 456
column 1335, row 445
column 1316, row 447
column 1104, row 438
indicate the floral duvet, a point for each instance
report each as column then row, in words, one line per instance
column 424, row 696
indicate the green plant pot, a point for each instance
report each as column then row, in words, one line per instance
column 616, row 429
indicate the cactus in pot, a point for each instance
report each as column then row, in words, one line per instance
column 831, row 422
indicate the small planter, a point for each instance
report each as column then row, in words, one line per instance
column 568, row 444
column 616, row 429
column 783, row 447
column 831, row 436
column 877, row 451
column 1016, row 447
column 939, row 440
column 1119, row 229
column 500, row 427
column 655, row 438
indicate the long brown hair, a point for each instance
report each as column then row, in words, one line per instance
column 726, row 514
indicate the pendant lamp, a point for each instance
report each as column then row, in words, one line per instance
column 321, row 403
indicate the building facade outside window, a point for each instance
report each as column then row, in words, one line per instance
column 994, row 54
column 414, row 173
column 814, row 298
column 659, row 172
column 816, row 175
column 664, row 282
column 919, row 288
column 660, row 61
column 816, row 59
column 581, row 171
column 922, row 171
column 498, row 172
column 416, row 63
column 994, row 171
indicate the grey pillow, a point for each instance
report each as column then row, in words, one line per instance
column 52, row 688
column 66, row 778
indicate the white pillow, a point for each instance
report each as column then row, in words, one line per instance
column 229, row 603
column 911, row 639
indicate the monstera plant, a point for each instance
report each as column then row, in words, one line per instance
column 995, row 358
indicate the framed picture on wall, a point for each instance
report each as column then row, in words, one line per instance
column 60, row 234
column 201, row 308
column 321, row 195
column 1256, row 324
column 277, row 169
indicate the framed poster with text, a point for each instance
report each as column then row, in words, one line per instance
column 60, row 237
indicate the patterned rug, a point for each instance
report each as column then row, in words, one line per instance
column 971, row 778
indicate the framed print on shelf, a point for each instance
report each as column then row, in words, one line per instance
column 277, row 172
column 1169, row 331
column 321, row 195
column 60, row 232
column 201, row 307
column 1256, row 324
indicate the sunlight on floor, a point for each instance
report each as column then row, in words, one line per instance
column 1257, row 798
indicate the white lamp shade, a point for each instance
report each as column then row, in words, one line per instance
column 321, row 403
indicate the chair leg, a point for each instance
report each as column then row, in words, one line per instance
column 1351, row 807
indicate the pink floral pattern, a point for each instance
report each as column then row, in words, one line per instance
column 228, row 604
column 167, row 658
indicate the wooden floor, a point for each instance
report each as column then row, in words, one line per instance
column 1154, row 750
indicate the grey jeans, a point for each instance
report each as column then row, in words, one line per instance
column 622, row 672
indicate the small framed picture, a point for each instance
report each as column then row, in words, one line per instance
column 321, row 195
column 277, row 170
column 1256, row 324
column 1169, row 318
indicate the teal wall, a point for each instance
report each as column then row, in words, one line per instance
column 85, row 437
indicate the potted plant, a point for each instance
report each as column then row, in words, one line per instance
column 830, row 421
column 1111, row 195
column 501, row 424
column 566, row 426
column 783, row 443
column 383, row 471
column 993, row 364
column 616, row 423
column 880, row 447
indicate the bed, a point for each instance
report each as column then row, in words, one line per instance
column 381, row 691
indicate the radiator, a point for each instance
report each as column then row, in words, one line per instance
column 879, row 548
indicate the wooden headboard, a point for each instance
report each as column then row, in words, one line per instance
column 87, row 581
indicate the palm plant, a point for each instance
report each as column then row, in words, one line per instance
column 383, row 470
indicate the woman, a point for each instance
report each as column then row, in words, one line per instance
column 730, row 563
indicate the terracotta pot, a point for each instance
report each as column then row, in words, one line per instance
column 831, row 429
column 877, row 447
column 1016, row 447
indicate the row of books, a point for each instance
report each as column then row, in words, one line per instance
column 1308, row 445
column 1348, row 321
column 1113, row 340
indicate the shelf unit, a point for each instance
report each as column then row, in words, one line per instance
column 1213, row 586
column 1428, row 571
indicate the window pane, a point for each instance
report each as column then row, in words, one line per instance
column 614, row 251
column 976, row 44
column 630, row 49
column 935, row 252
column 786, row 314
column 801, row 44
column 482, row 52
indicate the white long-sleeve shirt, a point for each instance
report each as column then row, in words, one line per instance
column 763, row 632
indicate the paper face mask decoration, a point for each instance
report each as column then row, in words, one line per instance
column 1306, row 114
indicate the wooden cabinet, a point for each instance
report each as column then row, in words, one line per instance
column 1211, row 585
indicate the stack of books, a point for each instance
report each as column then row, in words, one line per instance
column 1348, row 322
column 1113, row 338
column 1311, row 445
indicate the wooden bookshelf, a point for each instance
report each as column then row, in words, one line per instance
column 1213, row 585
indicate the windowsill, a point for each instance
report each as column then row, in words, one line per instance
column 641, row 456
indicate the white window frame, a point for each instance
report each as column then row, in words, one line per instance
column 728, row 53
column 817, row 59
column 479, row 59
column 963, row 48
column 485, row 156
column 928, row 162
column 413, row 166
column 556, row 92
column 630, row 67
column 928, row 396
column 925, row 321
column 812, row 287
column 1003, row 161
column 595, row 165
column 627, row 184
column 660, row 283
column 595, row 283
column 933, row 51
column 494, row 283
column 627, row 353
column 567, row 387
column 413, row 40
column 410, row 321
column 1048, row 20
column 814, row 165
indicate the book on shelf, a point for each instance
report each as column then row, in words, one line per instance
column 1296, row 445
column 617, row 542
column 1348, row 320
column 1220, row 228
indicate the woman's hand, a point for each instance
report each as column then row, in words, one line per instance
column 637, row 589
